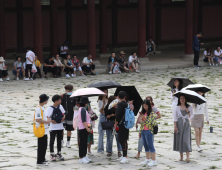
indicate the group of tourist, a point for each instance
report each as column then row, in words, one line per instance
column 113, row 109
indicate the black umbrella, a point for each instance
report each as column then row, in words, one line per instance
column 185, row 81
column 105, row 84
column 191, row 96
column 133, row 95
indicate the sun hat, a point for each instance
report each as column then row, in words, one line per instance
column 2, row 59
column 84, row 100
column 43, row 98
column 122, row 53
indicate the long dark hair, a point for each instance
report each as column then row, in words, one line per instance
column 201, row 90
column 16, row 59
column 180, row 84
column 147, row 102
column 187, row 105
column 151, row 99
column 208, row 49
column 101, row 97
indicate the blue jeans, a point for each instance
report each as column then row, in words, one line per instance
column 20, row 73
column 140, row 144
column 109, row 144
column 100, row 147
column 216, row 59
column 147, row 138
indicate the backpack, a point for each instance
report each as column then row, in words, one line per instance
column 129, row 118
column 40, row 131
column 57, row 114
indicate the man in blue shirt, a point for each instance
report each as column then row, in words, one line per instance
column 196, row 48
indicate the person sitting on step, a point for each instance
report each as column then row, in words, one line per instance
column 19, row 71
column 88, row 65
column 150, row 46
column 69, row 66
column 3, row 69
column 133, row 62
column 113, row 65
column 77, row 66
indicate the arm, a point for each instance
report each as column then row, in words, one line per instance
column 83, row 116
column 191, row 112
column 206, row 113
column 43, row 121
column 172, row 96
column 158, row 115
column 175, row 127
column 196, row 43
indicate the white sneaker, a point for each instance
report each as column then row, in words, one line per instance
column 152, row 163
column 67, row 75
column 17, row 78
column 146, row 162
column 124, row 160
column 62, row 143
column 200, row 149
column 110, row 72
column 137, row 71
column 101, row 152
column 26, row 79
column 83, row 161
column 90, row 154
column 87, row 158
column 216, row 64
column 83, row 75
column 213, row 64
column 210, row 65
column 1, row 79
column 72, row 75
column 119, row 72
column 68, row 144
column 7, row 79
column 119, row 159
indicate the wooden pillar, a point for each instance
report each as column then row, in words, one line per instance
column 142, row 28
column 189, row 27
column 150, row 19
column 69, row 22
column 91, row 31
column 37, row 18
column 103, row 26
column 54, row 27
column 2, row 29
column 158, row 21
column 197, row 16
column 20, row 41
column 114, row 22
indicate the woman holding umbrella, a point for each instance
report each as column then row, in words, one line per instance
column 102, row 102
column 182, row 132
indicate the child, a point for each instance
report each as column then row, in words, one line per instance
column 56, row 129
column 148, row 121
column 76, row 64
column 38, row 67
column 42, row 142
column 156, row 111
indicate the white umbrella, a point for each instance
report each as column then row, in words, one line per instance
column 196, row 87
column 190, row 96
column 87, row 92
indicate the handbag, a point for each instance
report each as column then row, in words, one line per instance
column 40, row 131
column 93, row 118
column 155, row 129
column 107, row 125
column 34, row 69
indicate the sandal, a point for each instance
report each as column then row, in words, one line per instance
column 188, row 160
column 181, row 159
column 109, row 155
column 137, row 156
column 119, row 154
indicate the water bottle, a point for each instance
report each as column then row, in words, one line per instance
column 96, row 72
column 211, row 129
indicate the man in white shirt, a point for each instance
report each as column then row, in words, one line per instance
column 133, row 62
column 29, row 62
column 150, row 46
column 88, row 65
column 40, row 117
column 217, row 55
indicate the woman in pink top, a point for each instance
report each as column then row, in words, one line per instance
column 84, row 129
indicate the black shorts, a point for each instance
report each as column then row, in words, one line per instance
column 206, row 59
column 68, row 127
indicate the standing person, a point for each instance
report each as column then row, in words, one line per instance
column 38, row 67
column 68, row 104
column 77, row 66
column 59, row 64
column 68, row 66
column 29, row 62
column 111, row 116
column 182, row 131
column 123, row 132
column 102, row 102
column 217, row 55
column 150, row 46
column 3, row 69
column 148, row 122
column 40, row 117
column 84, row 121
column 140, row 142
column 176, row 87
column 56, row 129
column 88, row 65
column 64, row 49
column 112, row 63
column 196, row 49
column 198, row 121
column 18, row 68
column 207, row 56
column 134, row 62
column 122, row 61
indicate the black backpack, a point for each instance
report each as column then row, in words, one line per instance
column 57, row 114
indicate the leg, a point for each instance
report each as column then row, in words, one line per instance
column 74, row 71
column 45, row 69
column 100, row 147
column 84, row 68
column 40, row 149
column 125, row 68
column 93, row 67
column 197, row 133
column 45, row 146
column 149, row 138
column 52, row 140
column 144, row 137
column 118, row 144
column 17, row 73
column 140, row 147
column 181, row 156
column 68, row 135
column 111, row 67
column 55, row 71
column 62, row 69
column 200, row 135
column 26, row 71
column 83, row 135
column 133, row 65
column 188, row 156
column 59, row 139
column 80, row 69
column 109, row 142
column 136, row 66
